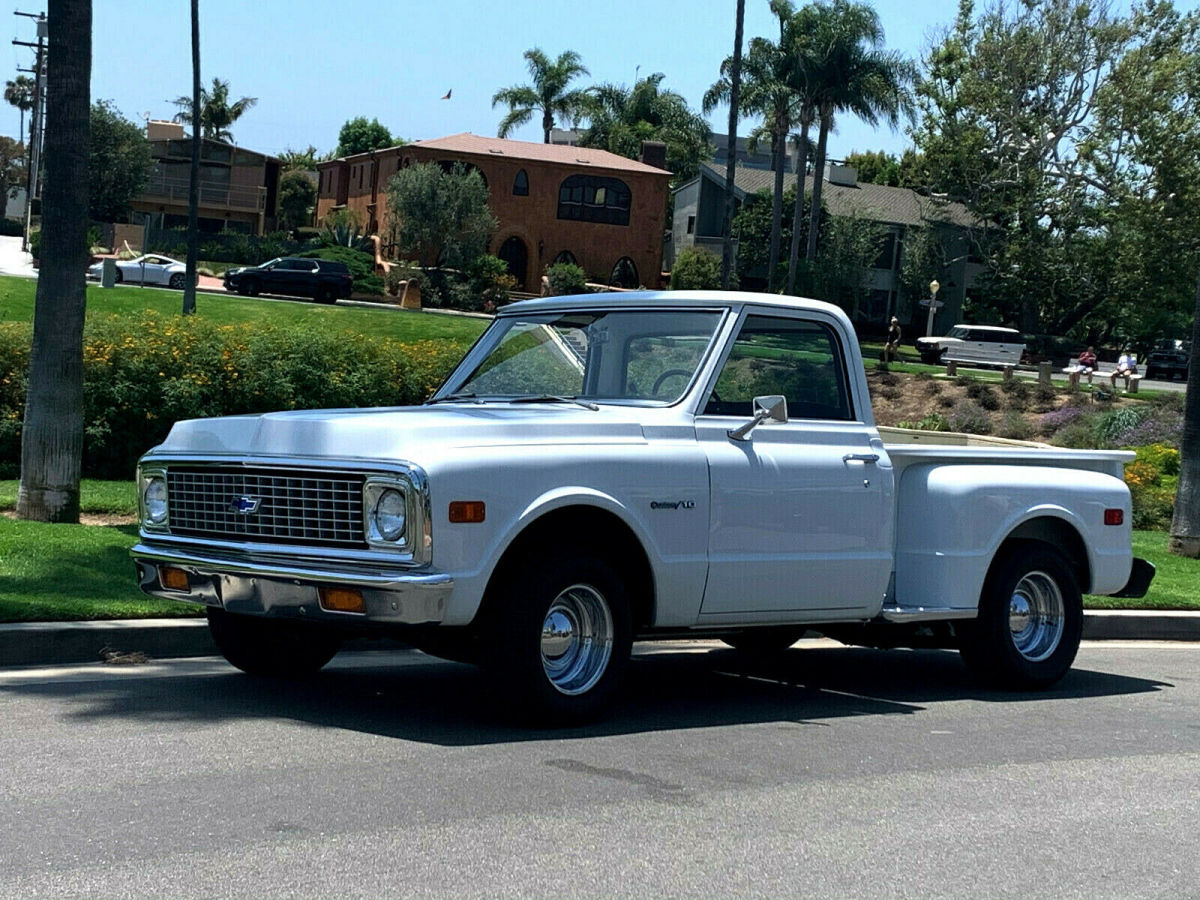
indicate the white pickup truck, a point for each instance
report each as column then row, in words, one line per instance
column 605, row 468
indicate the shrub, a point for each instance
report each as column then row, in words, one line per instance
column 970, row 418
column 1015, row 426
column 1076, row 436
column 11, row 227
column 566, row 278
column 696, row 269
column 141, row 375
column 983, row 395
column 1113, row 424
column 490, row 281
column 1152, row 480
column 932, row 422
column 35, row 244
column 1052, row 422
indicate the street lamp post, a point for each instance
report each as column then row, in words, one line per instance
column 933, row 289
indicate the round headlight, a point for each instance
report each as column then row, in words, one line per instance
column 388, row 515
column 156, row 501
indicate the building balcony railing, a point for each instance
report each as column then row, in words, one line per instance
column 175, row 190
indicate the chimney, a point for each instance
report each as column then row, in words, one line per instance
column 654, row 153
column 847, row 176
column 161, row 130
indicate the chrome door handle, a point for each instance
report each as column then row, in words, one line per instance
column 861, row 457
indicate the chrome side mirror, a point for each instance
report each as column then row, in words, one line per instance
column 772, row 410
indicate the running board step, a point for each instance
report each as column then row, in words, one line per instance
column 924, row 614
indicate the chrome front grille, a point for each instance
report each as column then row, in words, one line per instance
column 267, row 505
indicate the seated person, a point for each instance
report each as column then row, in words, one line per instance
column 1087, row 362
column 1126, row 366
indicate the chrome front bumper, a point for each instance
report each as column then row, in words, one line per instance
column 277, row 589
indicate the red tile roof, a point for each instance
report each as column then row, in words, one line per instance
column 553, row 153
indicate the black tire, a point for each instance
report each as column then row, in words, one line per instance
column 932, row 357
column 326, row 295
column 765, row 641
column 562, row 678
column 1025, row 577
column 277, row 648
column 252, row 287
column 177, row 281
column 117, row 276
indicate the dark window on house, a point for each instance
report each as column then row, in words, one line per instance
column 887, row 252
column 691, row 225
column 566, row 256
column 592, row 198
column 521, row 184
column 624, row 274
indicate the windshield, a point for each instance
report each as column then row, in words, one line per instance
column 645, row 356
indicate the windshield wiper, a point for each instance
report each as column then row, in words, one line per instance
column 554, row 398
column 452, row 398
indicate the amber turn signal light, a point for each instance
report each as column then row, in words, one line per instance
column 1114, row 517
column 467, row 512
column 342, row 600
column 173, row 579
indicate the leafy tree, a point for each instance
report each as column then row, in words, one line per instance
column 361, row 136
column 875, row 168
column 547, row 94
column 217, row 113
column 12, row 165
column 119, row 163
column 303, row 160
column 752, row 227
column 441, row 217
column 843, row 273
column 297, row 197
column 19, row 93
column 622, row 118
column 52, row 430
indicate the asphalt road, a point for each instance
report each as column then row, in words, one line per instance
column 826, row 772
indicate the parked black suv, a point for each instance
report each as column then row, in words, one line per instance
column 321, row 279
column 1167, row 361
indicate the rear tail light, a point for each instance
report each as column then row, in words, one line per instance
column 1114, row 517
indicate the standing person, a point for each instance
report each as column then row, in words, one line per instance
column 892, row 348
column 1126, row 366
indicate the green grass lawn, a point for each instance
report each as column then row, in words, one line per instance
column 65, row 572
column 17, row 298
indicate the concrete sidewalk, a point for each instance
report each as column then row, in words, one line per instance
column 61, row 643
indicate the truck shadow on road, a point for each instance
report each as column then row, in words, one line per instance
column 416, row 698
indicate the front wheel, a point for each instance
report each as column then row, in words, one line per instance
column 177, row 281
column 1030, row 619
column 277, row 648
column 561, row 638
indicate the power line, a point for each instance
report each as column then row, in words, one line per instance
column 33, row 179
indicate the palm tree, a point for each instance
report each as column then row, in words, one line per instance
column 766, row 90
column 19, row 92
column 735, row 99
column 52, row 431
column 193, row 232
column 621, row 118
column 849, row 72
column 216, row 112
column 548, row 93
column 803, row 45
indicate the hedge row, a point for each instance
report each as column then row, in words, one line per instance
column 140, row 376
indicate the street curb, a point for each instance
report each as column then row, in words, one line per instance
column 63, row 643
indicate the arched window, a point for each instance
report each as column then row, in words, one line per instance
column 592, row 198
column 566, row 256
column 521, row 185
column 624, row 274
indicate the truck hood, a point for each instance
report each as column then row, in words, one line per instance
column 408, row 433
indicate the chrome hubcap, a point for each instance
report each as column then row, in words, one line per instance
column 577, row 639
column 1036, row 616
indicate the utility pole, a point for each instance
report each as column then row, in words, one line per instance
column 33, row 181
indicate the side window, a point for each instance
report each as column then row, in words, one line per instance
column 799, row 359
column 521, row 184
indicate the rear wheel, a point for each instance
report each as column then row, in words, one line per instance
column 325, row 294
column 561, row 637
column 1030, row 619
column 278, row 648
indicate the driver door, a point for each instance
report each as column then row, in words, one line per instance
column 800, row 512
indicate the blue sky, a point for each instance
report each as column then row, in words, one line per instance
column 313, row 65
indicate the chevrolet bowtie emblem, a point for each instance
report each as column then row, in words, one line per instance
column 246, row 506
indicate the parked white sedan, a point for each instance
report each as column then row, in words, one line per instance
column 148, row 269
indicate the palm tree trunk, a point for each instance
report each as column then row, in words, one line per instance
column 735, row 86
column 778, row 141
column 798, row 210
column 814, row 217
column 547, row 124
column 1185, row 524
column 193, row 236
column 52, row 432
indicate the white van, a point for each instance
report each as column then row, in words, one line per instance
column 981, row 345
